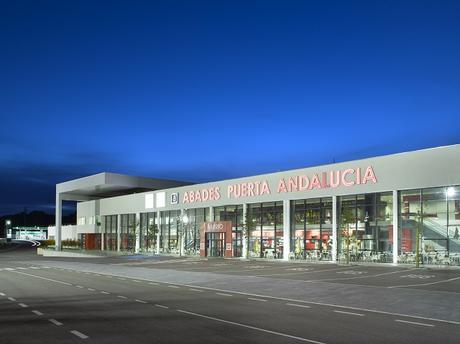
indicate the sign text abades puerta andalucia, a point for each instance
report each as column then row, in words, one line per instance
column 332, row 179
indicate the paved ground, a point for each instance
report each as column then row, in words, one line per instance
column 177, row 300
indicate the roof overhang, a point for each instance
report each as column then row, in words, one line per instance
column 106, row 184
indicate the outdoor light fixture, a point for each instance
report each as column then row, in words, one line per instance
column 8, row 222
column 450, row 192
column 185, row 219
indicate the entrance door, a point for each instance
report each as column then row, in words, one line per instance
column 215, row 244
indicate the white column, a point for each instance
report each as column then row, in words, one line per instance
column 118, row 232
column 137, row 223
column 181, row 232
column 334, row 229
column 58, row 219
column 158, row 219
column 286, row 229
column 245, row 237
column 395, row 227
column 211, row 214
column 102, row 230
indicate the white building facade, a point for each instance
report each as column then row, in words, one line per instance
column 376, row 210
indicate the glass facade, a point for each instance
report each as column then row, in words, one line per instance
column 110, row 232
column 311, row 229
column 148, row 229
column 365, row 227
column 128, row 232
column 169, row 238
column 265, row 230
column 233, row 213
column 196, row 218
column 435, row 214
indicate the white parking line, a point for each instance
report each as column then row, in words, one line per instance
column 136, row 281
column 1, row 294
column 79, row 286
column 79, row 334
column 414, row 323
column 297, row 305
column 153, row 283
column 161, row 306
column 349, row 313
column 55, row 322
column 252, row 327
column 420, row 284
column 12, row 299
column 43, row 278
column 23, row 305
column 224, row 294
column 254, row 299
column 122, row 297
column 91, row 289
column 37, row 313
column 197, row 290
column 173, row 286
column 140, row 301
column 105, row 292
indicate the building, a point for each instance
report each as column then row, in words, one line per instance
column 369, row 210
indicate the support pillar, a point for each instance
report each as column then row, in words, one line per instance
column 158, row 223
column 211, row 214
column 58, row 223
column 102, row 230
column 334, row 229
column 395, row 227
column 286, row 229
column 137, row 223
column 118, row 232
column 244, row 239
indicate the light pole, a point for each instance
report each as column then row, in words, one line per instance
column 417, row 240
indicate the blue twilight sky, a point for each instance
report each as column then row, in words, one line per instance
column 209, row 90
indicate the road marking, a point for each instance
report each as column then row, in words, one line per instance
column 224, row 294
column 325, row 304
column 251, row 327
column 153, row 283
column 55, row 322
column 349, row 313
column 105, row 292
column 1, row 294
column 420, row 284
column 136, row 281
column 122, row 297
column 254, row 299
column 12, row 299
column 91, row 289
column 79, row 286
column 37, row 313
column 9, row 269
column 297, row 305
column 161, row 306
column 23, row 305
column 197, row 290
column 44, row 278
column 22, row 268
column 79, row 334
column 35, row 267
column 173, row 286
column 140, row 301
column 414, row 323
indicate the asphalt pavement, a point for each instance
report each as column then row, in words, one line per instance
column 141, row 299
